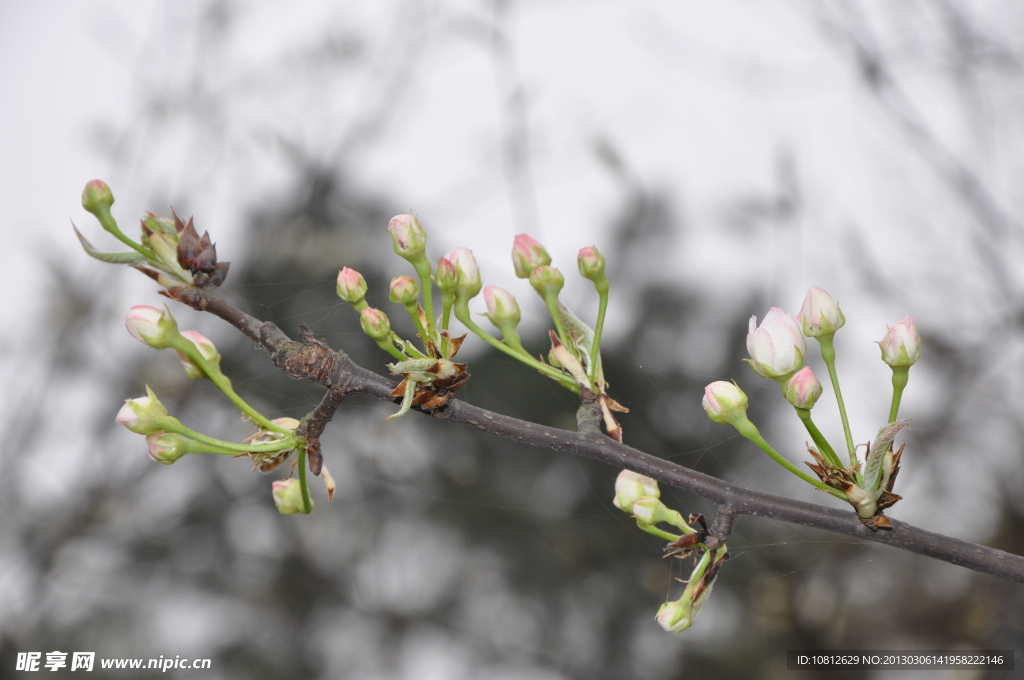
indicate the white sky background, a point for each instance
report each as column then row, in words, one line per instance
column 700, row 99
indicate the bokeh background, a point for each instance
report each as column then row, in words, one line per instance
column 723, row 156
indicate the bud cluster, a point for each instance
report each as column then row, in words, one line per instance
column 169, row 251
column 639, row 496
column 777, row 351
column 575, row 355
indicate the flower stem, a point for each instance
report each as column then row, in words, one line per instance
column 414, row 312
column 900, row 376
column 602, row 307
column 748, row 430
column 280, row 445
column 660, row 533
column 447, row 300
column 828, row 353
column 307, row 507
column 551, row 302
column 422, row 267
column 223, row 383
column 819, row 439
column 109, row 224
column 462, row 314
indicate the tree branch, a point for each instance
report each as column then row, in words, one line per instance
column 314, row 361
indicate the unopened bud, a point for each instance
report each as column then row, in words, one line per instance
column 206, row 349
column 724, row 401
column 803, row 389
column 445, row 276
column 632, row 486
column 591, row 264
column 676, row 616
column 777, row 348
column 527, row 255
column 901, row 346
column 408, row 237
column 502, row 308
column 469, row 283
column 151, row 326
column 97, row 197
column 820, row 314
column 167, row 447
column 404, row 290
column 144, row 415
column 547, row 281
column 288, row 496
column 375, row 323
column 652, row 511
column 351, row 286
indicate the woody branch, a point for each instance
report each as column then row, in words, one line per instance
column 313, row 361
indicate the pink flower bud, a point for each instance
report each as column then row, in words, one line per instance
column 591, row 263
column 723, row 401
column 777, row 348
column 404, row 290
column 803, row 389
column 408, row 237
column 206, row 349
column 469, row 283
column 97, row 197
column 165, row 447
column 676, row 616
column 632, row 486
column 547, row 281
column 445, row 276
column 901, row 345
column 288, row 496
column 351, row 285
column 144, row 415
column 502, row 308
column 820, row 314
column 527, row 255
column 375, row 323
column 151, row 326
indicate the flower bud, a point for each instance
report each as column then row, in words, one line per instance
column 206, row 349
column 288, row 496
column 803, row 389
column 445, row 276
column 502, row 308
column 777, row 348
column 820, row 314
column 547, row 281
column 97, row 197
column 676, row 616
column 375, row 323
column 469, row 283
column 527, row 255
column 723, row 401
column 408, row 237
column 144, row 415
column 151, row 326
column 591, row 263
column 404, row 290
column 158, row 224
column 351, row 286
column 901, row 345
column 632, row 486
column 167, row 447
column 651, row 511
